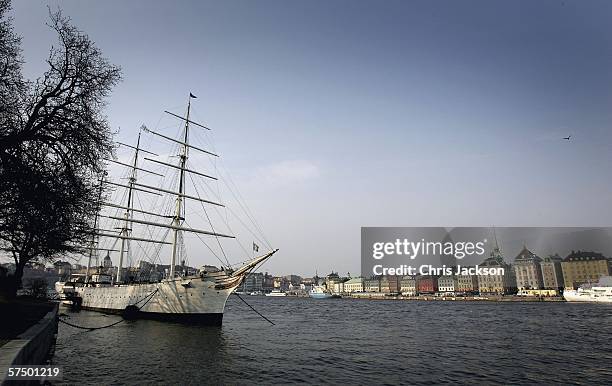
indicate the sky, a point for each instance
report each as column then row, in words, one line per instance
column 336, row 115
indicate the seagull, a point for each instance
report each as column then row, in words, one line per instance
column 568, row 137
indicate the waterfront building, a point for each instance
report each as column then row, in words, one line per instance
column 107, row 262
column 253, row 282
column 552, row 275
column 129, row 274
column 338, row 288
column 306, row 287
column 354, row 285
column 276, row 282
column 408, row 286
column 296, row 289
column 332, row 279
column 293, row 279
column 372, row 285
column 164, row 269
column 390, row 284
column 427, row 284
column 187, row 270
column 467, row 284
column 152, row 276
column 584, row 267
column 332, row 276
column 268, row 284
column 76, row 267
column 281, row 283
column 497, row 284
column 63, row 268
column 447, row 284
column 527, row 270
column 147, row 271
column 35, row 270
column 144, row 266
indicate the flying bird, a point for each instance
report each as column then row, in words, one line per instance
column 568, row 137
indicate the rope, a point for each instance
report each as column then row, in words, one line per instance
column 150, row 296
column 210, row 249
column 209, row 221
column 90, row 328
column 251, row 307
column 244, row 207
column 229, row 209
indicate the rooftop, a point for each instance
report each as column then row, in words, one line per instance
column 584, row 255
column 526, row 255
column 356, row 280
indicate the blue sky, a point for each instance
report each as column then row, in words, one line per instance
column 334, row 115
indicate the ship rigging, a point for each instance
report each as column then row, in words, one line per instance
column 127, row 226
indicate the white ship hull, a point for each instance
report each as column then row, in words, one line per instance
column 274, row 294
column 592, row 296
column 596, row 293
column 197, row 298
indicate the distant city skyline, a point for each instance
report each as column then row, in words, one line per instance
column 336, row 115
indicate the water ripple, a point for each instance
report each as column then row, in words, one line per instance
column 348, row 341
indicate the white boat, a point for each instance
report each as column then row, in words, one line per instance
column 596, row 293
column 276, row 293
column 199, row 296
column 320, row 292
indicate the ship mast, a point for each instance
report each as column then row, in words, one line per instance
column 180, row 195
column 128, row 211
column 179, row 210
column 93, row 236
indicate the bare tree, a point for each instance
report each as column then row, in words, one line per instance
column 53, row 140
column 12, row 85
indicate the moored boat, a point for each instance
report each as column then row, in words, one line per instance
column 600, row 292
column 276, row 292
column 320, row 292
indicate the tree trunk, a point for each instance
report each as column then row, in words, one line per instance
column 16, row 282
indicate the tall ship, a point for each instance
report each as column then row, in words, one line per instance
column 146, row 220
column 600, row 292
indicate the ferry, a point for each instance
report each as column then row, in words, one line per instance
column 276, row 293
column 596, row 293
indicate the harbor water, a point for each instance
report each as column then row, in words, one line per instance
column 348, row 341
